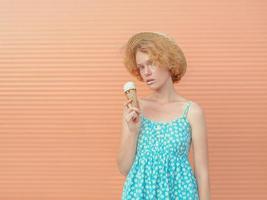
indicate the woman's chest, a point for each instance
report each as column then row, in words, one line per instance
column 162, row 113
column 168, row 137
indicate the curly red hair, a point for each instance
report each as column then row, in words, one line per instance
column 161, row 48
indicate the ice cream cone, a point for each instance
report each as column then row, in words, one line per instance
column 130, row 92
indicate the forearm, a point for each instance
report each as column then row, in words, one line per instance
column 126, row 154
column 204, row 187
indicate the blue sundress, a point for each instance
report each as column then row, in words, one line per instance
column 161, row 169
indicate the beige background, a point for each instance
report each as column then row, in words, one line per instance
column 61, row 78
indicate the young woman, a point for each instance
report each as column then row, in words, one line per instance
column 157, row 135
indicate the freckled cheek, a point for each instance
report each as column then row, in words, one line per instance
column 161, row 76
column 158, row 78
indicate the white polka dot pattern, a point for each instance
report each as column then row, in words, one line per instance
column 161, row 169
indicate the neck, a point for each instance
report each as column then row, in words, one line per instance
column 166, row 93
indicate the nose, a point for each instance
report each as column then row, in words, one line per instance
column 147, row 70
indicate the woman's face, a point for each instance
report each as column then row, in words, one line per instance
column 153, row 75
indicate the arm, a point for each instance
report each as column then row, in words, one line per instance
column 127, row 149
column 200, row 148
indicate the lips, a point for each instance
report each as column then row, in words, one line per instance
column 151, row 79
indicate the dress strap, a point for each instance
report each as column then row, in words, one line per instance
column 187, row 108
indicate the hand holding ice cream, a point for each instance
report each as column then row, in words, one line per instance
column 132, row 111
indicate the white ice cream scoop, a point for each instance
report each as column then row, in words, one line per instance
column 128, row 86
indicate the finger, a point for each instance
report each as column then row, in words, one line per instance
column 133, row 114
column 127, row 102
column 135, row 109
column 128, row 119
column 129, row 105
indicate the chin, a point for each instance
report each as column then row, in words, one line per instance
column 154, row 87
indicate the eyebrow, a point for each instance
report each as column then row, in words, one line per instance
column 149, row 60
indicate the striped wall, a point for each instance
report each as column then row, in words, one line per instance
column 61, row 77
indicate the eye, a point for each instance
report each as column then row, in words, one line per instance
column 150, row 62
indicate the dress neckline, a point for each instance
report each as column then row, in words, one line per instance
column 163, row 123
column 178, row 118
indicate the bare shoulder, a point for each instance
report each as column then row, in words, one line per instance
column 196, row 113
column 196, row 108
